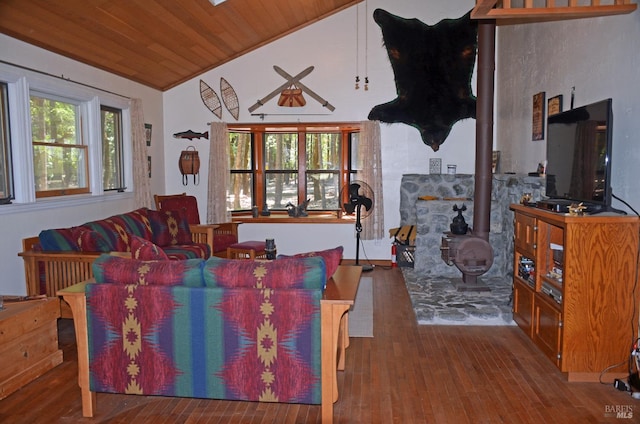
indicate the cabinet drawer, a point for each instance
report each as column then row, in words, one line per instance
column 525, row 234
column 547, row 328
column 523, row 306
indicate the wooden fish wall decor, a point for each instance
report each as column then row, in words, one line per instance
column 191, row 135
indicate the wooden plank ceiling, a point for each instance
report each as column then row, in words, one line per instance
column 158, row 43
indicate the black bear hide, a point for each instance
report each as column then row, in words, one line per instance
column 433, row 66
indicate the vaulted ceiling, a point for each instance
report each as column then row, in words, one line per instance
column 162, row 43
column 158, row 43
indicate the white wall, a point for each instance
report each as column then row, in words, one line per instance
column 20, row 221
column 330, row 46
column 600, row 58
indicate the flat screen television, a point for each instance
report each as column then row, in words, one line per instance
column 579, row 143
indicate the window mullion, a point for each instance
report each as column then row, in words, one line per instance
column 92, row 136
column 302, row 166
column 21, row 147
column 259, row 179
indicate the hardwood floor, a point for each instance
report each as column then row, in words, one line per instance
column 405, row 374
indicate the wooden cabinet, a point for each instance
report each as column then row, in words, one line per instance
column 28, row 342
column 574, row 288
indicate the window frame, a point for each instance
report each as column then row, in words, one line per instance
column 79, row 145
column 5, row 145
column 119, row 154
column 21, row 83
column 258, row 131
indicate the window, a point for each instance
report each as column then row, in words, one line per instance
column 278, row 165
column 240, row 192
column 59, row 154
column 66, row 139
column 112, row 155
column 6, row 174
column 281, row 169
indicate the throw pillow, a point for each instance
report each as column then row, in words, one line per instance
column 145, row 250
column 332, row 258
column 169, row 228
column 296, row 273
column 118, row 270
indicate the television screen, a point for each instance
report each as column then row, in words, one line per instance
column 579, row 154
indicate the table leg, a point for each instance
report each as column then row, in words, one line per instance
column 79, row 309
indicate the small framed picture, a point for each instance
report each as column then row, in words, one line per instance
column 538, row 117
column 554, row 105
column 147, row 133
column 435, row 166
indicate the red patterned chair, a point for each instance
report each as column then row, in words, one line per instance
column 224, row 235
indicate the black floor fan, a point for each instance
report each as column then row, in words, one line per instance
column 360, row 195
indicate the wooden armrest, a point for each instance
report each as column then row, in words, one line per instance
column 55, row 271
column 227, row 228
column 203, row 233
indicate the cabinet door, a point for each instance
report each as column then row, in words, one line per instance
column 525, row 234
column 523, row 306
column 547, row 327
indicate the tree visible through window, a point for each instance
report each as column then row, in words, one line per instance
column 59, row 155
column 112, row 156
column 277, row 165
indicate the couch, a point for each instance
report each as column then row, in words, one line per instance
column 249, row 330
column 61, row 257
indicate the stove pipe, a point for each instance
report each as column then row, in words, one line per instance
column 484, row 128
column 471, row 253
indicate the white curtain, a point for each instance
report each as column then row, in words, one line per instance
column 141, row 180
column 218, row 180
column 370, row 171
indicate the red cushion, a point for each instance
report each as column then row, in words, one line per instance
column 117, row 270
column 298, row 273
column 188, row 203
column 255, row 245
column 222, row 241
column 332, row 258
column 146, row 250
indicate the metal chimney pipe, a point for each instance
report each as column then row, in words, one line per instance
column 484, row 128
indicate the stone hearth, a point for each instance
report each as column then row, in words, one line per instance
column 432, row 217
column 436, row 301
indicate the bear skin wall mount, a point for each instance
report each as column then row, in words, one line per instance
column 433, row 66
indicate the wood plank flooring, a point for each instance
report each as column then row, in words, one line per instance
column 405, row 374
